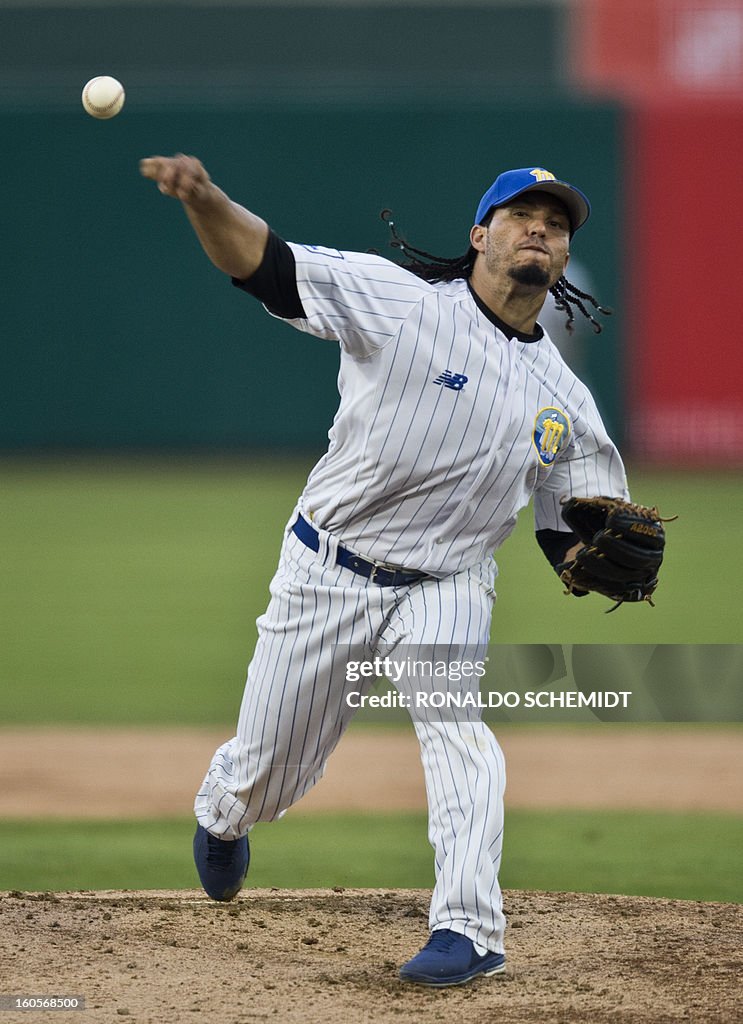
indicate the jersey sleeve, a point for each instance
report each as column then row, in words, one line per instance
column 590, row 466
column 358, row 299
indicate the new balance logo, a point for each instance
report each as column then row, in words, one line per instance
column 455, row 381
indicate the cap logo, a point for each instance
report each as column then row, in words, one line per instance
column 541, row 175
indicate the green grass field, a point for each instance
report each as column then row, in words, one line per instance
column 130, row 590
column 681, row 856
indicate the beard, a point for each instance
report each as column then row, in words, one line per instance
column 530, row 275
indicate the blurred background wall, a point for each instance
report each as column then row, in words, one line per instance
column 119, row 335
column 677, row 68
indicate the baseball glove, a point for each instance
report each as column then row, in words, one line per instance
column 622, row 552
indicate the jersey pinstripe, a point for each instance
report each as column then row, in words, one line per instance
column 445, row 430
column 294, row 712
column 427, row 476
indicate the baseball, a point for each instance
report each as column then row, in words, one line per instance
column 103, row 97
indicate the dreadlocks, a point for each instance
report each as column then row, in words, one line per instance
column 566, row 296
column 440, row 268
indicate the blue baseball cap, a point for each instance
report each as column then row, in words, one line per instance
column 534, row 179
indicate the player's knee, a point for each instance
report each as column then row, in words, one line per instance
column 274, row 784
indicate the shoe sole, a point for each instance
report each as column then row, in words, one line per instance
column 227, row 896
column 221, row 895
column 461, row 979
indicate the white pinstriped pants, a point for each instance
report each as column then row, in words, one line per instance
column 294, row 711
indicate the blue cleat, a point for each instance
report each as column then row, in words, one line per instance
column 449, row 958
column 222, row 864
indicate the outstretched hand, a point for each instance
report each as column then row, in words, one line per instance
column 233, row 238
column 183, row 177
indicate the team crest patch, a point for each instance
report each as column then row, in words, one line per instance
column 551, row 434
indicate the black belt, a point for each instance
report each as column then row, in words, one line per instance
column 382, row 575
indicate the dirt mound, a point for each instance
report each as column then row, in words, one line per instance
column 324, row 956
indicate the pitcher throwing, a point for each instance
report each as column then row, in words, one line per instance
column 455, row 411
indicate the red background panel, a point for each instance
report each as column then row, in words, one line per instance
column 685, row 263
column 644, row 49
column 615, row 46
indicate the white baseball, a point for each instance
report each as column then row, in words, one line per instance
column 103, row 97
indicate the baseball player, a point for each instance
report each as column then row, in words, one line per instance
column 455, row 412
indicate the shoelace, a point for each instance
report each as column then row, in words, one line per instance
column 218, row 852
column 441, row 941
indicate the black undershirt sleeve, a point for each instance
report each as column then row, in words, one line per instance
column 556, row 544
column 274, row 283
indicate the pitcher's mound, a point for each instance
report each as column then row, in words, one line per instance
column 320, row 956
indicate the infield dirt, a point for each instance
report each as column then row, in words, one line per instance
column 106, row 772
column 331, row 957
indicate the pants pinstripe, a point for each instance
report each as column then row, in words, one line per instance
column 294, row 712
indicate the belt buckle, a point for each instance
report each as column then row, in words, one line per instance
column 379, row 567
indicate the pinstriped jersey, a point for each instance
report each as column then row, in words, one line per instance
column 446, row 427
